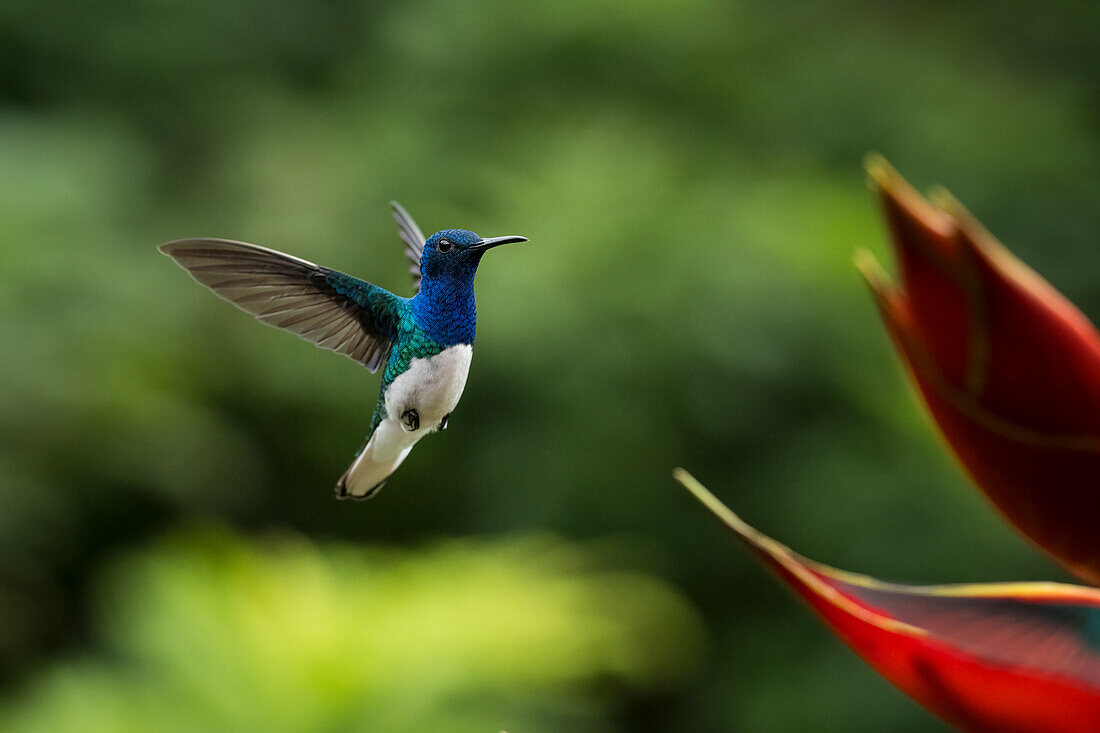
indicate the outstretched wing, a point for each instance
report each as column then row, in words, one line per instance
column 412, row 237
column 328, row 308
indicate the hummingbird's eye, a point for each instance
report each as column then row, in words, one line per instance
column 444, row 245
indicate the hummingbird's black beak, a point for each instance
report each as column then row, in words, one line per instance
column 489, row 242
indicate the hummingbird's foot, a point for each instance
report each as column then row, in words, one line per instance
column 410, row 420
column 443, row 422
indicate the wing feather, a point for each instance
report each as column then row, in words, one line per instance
column 328, row 308
column 412, row 237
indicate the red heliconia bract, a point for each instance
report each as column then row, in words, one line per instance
column 1020, row 657
column 1008, row 367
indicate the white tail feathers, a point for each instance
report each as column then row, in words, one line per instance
column 384, row 452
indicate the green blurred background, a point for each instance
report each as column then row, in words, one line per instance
column 170, row 553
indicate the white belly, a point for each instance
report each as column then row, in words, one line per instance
column 430, row 386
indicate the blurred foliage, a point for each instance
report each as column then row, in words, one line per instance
column 208, row 632
column 688, row 173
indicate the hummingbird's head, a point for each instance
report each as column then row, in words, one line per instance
column 456, row 253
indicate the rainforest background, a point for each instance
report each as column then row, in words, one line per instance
column 171, row 557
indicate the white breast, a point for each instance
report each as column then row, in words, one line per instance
column 430, row 386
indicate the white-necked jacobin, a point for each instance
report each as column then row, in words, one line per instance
column 425, row 342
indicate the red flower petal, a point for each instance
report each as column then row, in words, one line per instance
column 1016, row 657
column 1009, row 369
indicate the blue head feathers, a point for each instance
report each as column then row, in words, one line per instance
column 450, row 254
column 445, row 306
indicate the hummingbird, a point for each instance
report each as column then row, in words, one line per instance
column 425, row 342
